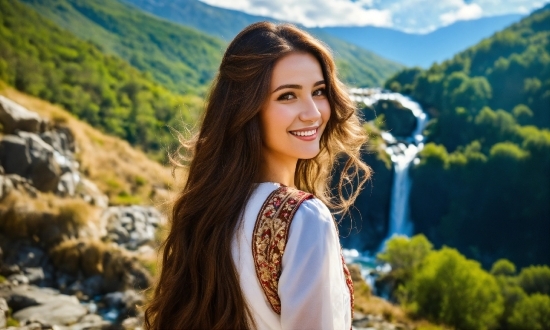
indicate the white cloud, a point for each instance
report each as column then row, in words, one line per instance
column 414, row 16
column 465, row 12
column 313, row 13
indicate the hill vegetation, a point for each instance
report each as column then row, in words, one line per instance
column 40, row 59
column 182, row 59
column 358, row 67
column 483, row 182
column 446, row 288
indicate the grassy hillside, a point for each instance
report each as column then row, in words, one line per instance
column 125, row 174
column 483, row 182
column 358, row 67
column 180, row 58
column 40, row 59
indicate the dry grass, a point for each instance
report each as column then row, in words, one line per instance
column 47, row 218
column 125, row 174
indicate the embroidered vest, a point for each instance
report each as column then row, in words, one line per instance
column 270, row 237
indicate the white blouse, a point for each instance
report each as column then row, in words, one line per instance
column 312, row 287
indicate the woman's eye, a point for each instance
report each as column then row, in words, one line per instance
column 286, row 97
column 319, row 92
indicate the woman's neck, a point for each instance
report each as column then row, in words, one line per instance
column 278, row 170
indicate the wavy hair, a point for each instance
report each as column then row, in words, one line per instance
column 198, row 286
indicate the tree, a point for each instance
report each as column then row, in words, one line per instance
column 455, row 291
column 531, row 313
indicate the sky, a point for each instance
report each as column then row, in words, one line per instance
column 412, row 16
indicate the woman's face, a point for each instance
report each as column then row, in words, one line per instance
column 296, row 111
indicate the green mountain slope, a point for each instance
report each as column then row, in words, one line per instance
column 510, row 68
column 178, row 57
column 483, row 180
column 39, row 58
column 357, row 66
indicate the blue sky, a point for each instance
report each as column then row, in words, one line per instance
column 414, row 16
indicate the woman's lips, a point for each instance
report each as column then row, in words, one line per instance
column 309, row 134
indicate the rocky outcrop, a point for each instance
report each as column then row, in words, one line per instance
column 399, row 121
column 67, row 260
column 366, row 225
column 15, row 117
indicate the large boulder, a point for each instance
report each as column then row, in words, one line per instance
column 56, row 312
column 15, row 156
column 24, row 296
column 15, row 117
column 399, row 121
column 44, row 171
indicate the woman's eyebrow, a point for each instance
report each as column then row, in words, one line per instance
column 320, row 82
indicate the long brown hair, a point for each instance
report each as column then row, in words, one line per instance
column 199, row 286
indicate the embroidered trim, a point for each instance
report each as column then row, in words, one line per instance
column 270, row 237
column 349, row 283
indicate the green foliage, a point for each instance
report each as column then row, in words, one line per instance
column 483, row 180
column 532, row 312
column 182, row 59
column 45, row 61
column 535, row 279
column 510, row 68
column 503, row 267
column 452, row 290
column 405, row 254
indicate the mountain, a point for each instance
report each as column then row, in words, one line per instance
column 180, row 58
column 357, row 66
column 482, row 183
column 422, row 49
column 41, row 59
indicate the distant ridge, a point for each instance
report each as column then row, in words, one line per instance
column 357, row 66
column 423, row 49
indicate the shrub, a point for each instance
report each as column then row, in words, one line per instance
column 535, row 279
column 452, row 290
column 503, row 267
column 532, row 313
column 405, row 254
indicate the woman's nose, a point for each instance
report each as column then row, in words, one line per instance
column 310, row 111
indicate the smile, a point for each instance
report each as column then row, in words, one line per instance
column 304, row 133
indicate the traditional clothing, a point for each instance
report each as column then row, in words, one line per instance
column 312, row 287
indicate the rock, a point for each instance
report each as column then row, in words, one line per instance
column 24, row 296
column 35, row 275
column 18, row 279
column 61, row 139
column 90, row 321
column 366, row 226
column 131, row 323
column 67, row 184
column 57, row 312
column 3, row 313
column 7, row 270
column 400, row 121
column 88, row 191
column 15, row 117
column 44, row 171
column 15, row 157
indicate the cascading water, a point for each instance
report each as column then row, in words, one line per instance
column 403, row 151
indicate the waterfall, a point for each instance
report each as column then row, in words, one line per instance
column 403, row 151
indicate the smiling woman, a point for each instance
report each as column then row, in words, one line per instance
column 252, row 243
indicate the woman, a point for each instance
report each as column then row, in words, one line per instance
column 276, row 116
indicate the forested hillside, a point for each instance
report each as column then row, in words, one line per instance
column 358, row 67
column 483, row 183
column 41, row 59
column 182, row 59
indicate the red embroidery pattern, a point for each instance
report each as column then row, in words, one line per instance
column 349, row 283
column 270, row 237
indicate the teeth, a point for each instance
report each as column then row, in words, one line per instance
column 304, row 133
